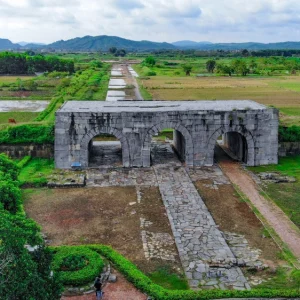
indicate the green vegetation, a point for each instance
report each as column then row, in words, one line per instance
column 285, row 195
column 77, row 265
column 35, row 171
column 145, row 284
column 38, row 134
column 283, row 280
column 19, row 63
column 165, row 278
column 24, row 274
column 19, row 117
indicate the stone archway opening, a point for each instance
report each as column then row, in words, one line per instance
column 231, row 145
column 105, row 150
column 168, row 144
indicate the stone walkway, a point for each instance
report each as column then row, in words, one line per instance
column 207, row 260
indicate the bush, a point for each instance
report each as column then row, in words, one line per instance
column 37, row 134
column 151, row 73
column 10, row 196
column 8, row 168
column 77, row 265
column 289, row 134
column 54, row 102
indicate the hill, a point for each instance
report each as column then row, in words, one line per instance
column 6, row 44
column 187, row 44
column 104, row 42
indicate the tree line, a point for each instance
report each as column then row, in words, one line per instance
column 24, row 63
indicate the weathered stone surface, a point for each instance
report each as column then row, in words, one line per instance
column 249, row 129
column 206, row 258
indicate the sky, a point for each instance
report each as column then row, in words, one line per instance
column 46, row 21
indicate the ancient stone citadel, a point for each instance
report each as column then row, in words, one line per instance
column 248, row 129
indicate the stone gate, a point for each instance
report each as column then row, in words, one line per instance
column 248, row 129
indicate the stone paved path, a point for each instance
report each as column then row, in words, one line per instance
column 207, row 260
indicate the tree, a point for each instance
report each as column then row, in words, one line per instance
column 120, row 52
column 25, row 274
column 187, row 69
column 245, row 53
column 240, row 67
column 210, row 65
column 112, row 50
column 224, row 69
column 10, row 196
column 149, row 61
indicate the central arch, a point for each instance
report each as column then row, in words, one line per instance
column 246, row 135
column 188, row 147
column 84, row 144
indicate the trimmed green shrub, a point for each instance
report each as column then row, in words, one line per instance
column 8, row 168
column 37, row 134
column 77, row 265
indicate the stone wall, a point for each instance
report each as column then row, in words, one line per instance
column 134, row 126
column 34, row 150
column 288, row 148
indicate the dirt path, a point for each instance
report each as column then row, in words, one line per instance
column 286, row 230
column 122, row 289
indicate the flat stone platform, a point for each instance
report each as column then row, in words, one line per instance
column 160, row 106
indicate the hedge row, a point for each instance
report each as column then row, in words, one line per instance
column 10, row 193
column 144, row 283
column 37, row 134
column 289, row 134
column 80, row 277
column 44, row 114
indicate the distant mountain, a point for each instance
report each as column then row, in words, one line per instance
column 26, row 44
column 187, row 43
column 6, row 44
column 104, row 42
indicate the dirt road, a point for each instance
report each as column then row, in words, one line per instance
column 286, row 230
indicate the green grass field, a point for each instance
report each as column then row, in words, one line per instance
column 35, row 172
column 285, row 195
column 20, row 117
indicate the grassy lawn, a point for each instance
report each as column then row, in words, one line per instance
column 12, row 79
column 285, row 195
column 168, row 279
column 20, row 117
column 35, row 172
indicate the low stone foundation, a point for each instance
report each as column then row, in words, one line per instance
column 34, row 150
column 288, row 148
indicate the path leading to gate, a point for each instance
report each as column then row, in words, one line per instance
column 205, row 255
column 123, row 85
column 277, row 219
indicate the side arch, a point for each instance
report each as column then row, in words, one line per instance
column 84, row 144
column 226, row 129
column 189, row 145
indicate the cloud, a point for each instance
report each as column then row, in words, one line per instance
column 157, row 20
column 128, row 4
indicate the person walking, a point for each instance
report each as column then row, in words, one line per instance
column 98, row 288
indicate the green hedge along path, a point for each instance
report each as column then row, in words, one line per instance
column 93, row 266
column 146, row 285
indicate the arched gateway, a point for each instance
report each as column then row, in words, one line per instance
column 249, row 129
